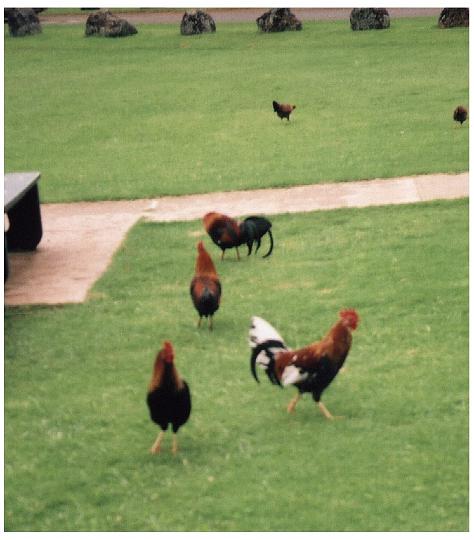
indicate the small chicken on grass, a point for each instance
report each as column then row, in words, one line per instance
column 168, row 397
column 283, row 110
column 205, row 286
column 460, row 114
column 309, row 369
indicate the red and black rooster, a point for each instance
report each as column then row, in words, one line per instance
column 460, row 114
column 227, row 233
column 205, row 286
column 168, row 398
column 283, row 110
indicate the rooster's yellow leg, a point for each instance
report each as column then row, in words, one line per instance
column 222, row 254
column 199, row 322
column 157, row 444
column 293, row 402
column 174, row 448
column 238, row 254
column 326, row 413
column 210, row 322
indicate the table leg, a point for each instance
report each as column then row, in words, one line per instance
column 26, row 229
column 5, row 258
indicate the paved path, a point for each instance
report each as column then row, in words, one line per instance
column 80, row 239
column 224, row 15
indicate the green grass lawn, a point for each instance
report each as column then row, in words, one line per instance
column 159, row 113
column 77, row 431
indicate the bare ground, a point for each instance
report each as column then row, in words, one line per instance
column 224, row 15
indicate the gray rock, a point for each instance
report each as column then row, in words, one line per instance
column 106, row 24
column 278, row 20
column 451, row 17
column 370, row 19
column 22, row 22
column 196, row 22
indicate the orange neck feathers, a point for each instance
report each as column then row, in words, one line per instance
column 164, row 357
column 214, row 219
column 204, row 264
column 209, row 219
column 338, row 340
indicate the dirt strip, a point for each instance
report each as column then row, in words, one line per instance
column 225, row 15
column 80, row 239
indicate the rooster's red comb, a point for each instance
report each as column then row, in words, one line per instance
column 350, row 316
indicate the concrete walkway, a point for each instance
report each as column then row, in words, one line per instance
column 233, row 15
column 80, row 239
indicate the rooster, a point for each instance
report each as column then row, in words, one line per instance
column 223, row 230
column 460, row 114
column 253, row 229
column 168, row 398
column 227, row 232
column 311, row 368
column 283, row 110
column 205, row 286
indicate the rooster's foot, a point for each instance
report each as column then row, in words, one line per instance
column 292, row 405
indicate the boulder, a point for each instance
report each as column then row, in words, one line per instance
column 196, row 22
column 370, row 19
column 22, row 22
column 106, row 24
column 278, row 20
column 451, row 17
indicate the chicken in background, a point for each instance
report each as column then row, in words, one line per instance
column 309, row 369
column 283, row 110
column 168, row 397
column 205, row 286
column 460, row 114
column 253, row 229
column 227, row 232
column 223, row 230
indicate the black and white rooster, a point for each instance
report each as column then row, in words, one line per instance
column 311, row 368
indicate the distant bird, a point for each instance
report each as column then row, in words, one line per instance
column 168, row 397
column 460, row 114
column 309, row 369
column 227, row 233
column 205, row 286
column 283, row 110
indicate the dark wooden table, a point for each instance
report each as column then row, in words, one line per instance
column 22, row 206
